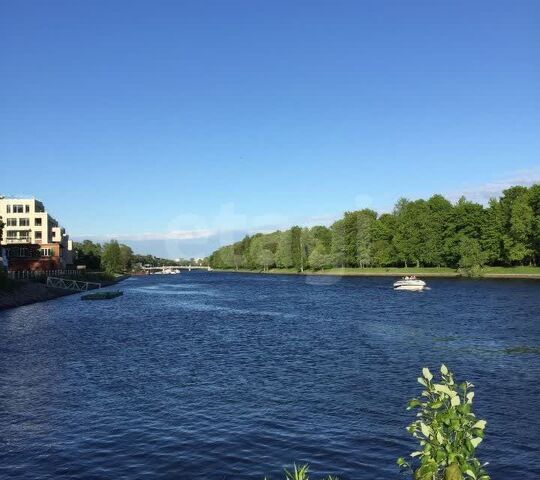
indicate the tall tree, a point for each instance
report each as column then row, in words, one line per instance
column 319, row 258
column 439, row 211
column 339, row 245
column 296, row 248
column 126, row 257
column 472, row 258
column 383, row 249
column 88, row 253
column 412, row 219
column 519, row 240
column 365, row 223
column 284, row 250
column 112, row 257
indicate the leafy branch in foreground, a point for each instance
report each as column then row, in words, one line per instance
column 447, row 429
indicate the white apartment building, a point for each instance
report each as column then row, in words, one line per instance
column 31, row 237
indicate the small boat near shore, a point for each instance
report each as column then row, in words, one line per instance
column 411, row 284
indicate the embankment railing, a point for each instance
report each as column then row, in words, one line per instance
column 38, row 274
column 73, row 285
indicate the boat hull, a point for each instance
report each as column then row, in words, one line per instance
column 410, row 285
column 410, row 288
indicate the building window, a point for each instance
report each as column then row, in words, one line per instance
column 11, row 222
column 19, row 252
column 37, row 235
column 27, row 208
column 47, row 252
column 11, row 234
column 37, row 222
column 24, row 222
column 8, row 208
column 18, row 208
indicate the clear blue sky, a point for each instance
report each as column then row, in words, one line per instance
column 124, row 115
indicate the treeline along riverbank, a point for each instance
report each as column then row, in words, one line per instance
column 422, row 233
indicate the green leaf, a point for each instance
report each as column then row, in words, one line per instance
column 426, row 431
column 481, row 424
column 427, row 374
column 476, row 441
column 443, row 389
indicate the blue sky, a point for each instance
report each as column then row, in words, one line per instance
column 171, row 124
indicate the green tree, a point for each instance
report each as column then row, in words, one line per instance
column 534, row 202
column 472, row 258
column 365, row 224
column 319, row 258
column 296, row 248
column 339, row 246
column 88, row 253
column 112, row 257
column 439, row 210
column 492, row 233
column 409, row 239
column 322, row 235
column 126, row 257
column 284, row 250
column 383, row 249
column 466, row 219
column 519, row 239
column 265, row 259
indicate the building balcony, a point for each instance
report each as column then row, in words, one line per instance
column 11, row 241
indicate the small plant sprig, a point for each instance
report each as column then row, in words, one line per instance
column 301, row 473
column 447, row 430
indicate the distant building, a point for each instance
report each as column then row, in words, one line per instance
column 33, row 240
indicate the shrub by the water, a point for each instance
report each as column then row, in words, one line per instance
column 446, row 428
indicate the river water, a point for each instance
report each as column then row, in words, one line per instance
column 232, row 376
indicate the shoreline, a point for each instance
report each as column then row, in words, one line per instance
column 32, row 292
column 352, row 272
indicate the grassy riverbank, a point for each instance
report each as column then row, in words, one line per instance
column 487, row 272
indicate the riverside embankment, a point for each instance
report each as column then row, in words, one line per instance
column 28, row 292
column 489, row 272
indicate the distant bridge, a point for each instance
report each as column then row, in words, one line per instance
column 177, row 267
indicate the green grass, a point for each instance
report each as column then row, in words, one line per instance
column 395, row 271
column 525, row 270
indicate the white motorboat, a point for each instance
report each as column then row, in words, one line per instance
column 412, row 284
column 167, row 271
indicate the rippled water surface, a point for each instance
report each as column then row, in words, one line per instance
column 230, row 376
